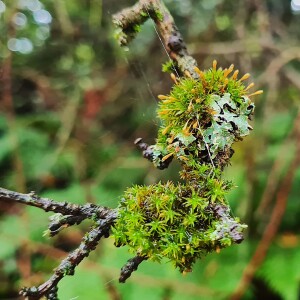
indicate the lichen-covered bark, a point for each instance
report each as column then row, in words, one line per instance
column 128, row 21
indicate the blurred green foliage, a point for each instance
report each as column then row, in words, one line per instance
column 78, row 103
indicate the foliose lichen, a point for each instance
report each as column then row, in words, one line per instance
column 200, row 120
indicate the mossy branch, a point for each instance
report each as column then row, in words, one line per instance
column 128, row 23
column 200, row 119
column 204, row 114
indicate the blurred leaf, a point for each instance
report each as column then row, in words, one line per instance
column 74, row 193
column 12, row 234
column 281, row 270
column 83, row 285
column 278, row 125
column 5, row 147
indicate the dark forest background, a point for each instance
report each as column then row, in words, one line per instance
column 72, row 103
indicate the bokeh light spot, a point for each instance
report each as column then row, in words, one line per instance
column 42, row 32
column 295, row 6
column 2, row 7
column 20, row 20
column 12, row 44
column 22, row 45
column 42, row 16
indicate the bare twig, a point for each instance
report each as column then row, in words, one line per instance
column 274, row 222
column 250, row 45
column 87, row 211
column 112, row 290
column 131, row 266
column 68, row 265
column 146, row 281
column 64, row 18
column 263, row 20
column 70, row 214
column 148, row 153
column 280, row 61
column 68, row 121
column 273, row 180
column 293, row 76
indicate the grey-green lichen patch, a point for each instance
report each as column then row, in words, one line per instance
column 229, row 122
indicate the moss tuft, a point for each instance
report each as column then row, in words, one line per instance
column 168, row 67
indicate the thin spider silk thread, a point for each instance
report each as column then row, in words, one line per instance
column 111, row 280
column 139, row 68
column 160, row 39
column 148, row 85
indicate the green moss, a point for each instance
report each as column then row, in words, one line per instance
column 144, row 14
column 167, row 220
column 159, row 15
column 137, row 28
column 200, row 120
column 212, row 112
column 168, row 67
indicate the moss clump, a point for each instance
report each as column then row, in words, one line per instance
column 174, row 221
column 200, row 120
column 168, row 67
column 159, row 15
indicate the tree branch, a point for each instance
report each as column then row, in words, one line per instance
column 131, row 266
column 129, row 20
column 68, row 214
column 86, row 211
column 68, row 265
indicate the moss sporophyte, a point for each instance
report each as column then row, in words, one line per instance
column 200, row 121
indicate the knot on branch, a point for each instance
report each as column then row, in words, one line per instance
column 176, row 43
column 131, row 266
